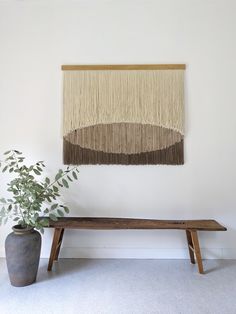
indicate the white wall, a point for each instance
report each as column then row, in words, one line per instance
column 36, row 37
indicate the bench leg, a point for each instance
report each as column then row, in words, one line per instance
column 190, row 246
column 197, row 250
column 59, row 245
column 56, row 243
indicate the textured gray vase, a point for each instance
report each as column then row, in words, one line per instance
column 23, row 248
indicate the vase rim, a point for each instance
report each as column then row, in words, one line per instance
column 18, row 229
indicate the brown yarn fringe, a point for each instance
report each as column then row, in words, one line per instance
column 124, row 138
column 76, row 155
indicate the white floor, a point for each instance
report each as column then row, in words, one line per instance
column 85, row 286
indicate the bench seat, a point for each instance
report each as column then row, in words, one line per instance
column 134, row 223
column 102, row 223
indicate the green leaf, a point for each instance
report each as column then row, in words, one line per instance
column 16, row 219
column 47, row 180
column 58, row 176
column 55, row 189
column 36, row 172
column 44, row 222
column 32, row 221
column 69, row 178
column 2, row 200
column 8, row 152
column 60, row 213
column 66, row 209
column 36, row 216
column 2, row 212
column 65, row 183
column 17, row 152
column 53, row 217
column 74, row 175
column 4, row 169
column 11, row 169
column 46, row 211
column 10, row 158
column 54, row 206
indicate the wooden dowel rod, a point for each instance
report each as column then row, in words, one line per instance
column 124, row 67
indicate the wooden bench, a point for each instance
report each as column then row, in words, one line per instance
column 191, row 227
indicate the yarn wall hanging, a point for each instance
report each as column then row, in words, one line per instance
column 123, row 114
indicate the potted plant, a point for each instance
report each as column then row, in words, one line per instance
column 34, row 201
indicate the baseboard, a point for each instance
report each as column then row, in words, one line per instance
column 144, row 253
column 2, row 253
column 139, row 253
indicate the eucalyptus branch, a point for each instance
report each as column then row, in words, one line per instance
column 30, row 194
column 65, row 173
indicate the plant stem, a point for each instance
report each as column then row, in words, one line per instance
column 19, row 190
column 23, row 219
